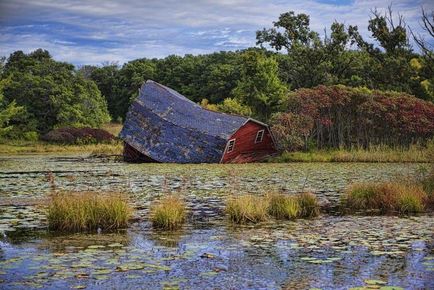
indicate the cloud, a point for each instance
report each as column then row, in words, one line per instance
column 90, row 32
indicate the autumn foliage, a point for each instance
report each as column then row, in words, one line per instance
column 339, row 116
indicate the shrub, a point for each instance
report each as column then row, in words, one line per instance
column 386, row 197
column 169, row 213
column 284, row 206
column 247, row 208
column 85, row 211
column 78, row 136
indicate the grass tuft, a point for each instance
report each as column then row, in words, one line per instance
column 247, row 208
column 86, row 211
column 309, row 206
column 169, row 213
column 386, row 198
column 303, row 205
column 250, row 208
column 284, row 206
column 379, row 153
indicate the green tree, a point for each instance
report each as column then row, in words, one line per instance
column 51, row 93
column 259, row 87
column 233, row 106
column 7, row 111
column 130, row 78
column 106, row 78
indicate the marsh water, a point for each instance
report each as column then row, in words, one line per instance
column 328, row 252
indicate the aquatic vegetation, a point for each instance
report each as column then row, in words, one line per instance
column 284, row 206
column 374, row 154
column 309, row 206
column 302, row 205
column 85, row 211
column 169, row 213
column 247, row 208
column 19, row 147
column 385, row 197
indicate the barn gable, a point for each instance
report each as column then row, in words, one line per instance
column 167, row 127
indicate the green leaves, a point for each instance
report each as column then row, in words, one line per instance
column 51, row 94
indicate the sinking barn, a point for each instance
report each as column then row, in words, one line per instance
column 164, row 126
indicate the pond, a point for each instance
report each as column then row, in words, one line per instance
column 328, row 252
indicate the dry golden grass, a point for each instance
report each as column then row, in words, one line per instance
column 379, row 153
column 247, row 208
column 283, row 206
column 302, row 205
column 86, row 211
column 253, row 209
column 21, row 147
column 169, row 213
column 309, row 206
column 386, row 197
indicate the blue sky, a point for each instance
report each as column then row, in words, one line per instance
column 95, row 31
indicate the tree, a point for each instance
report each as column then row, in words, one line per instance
column 310, row 61
column 7, row 111
column 130, row 78
column 425, row 64
column 259, row 87
column 51, row 93
column 233, row 106
column 106, row 78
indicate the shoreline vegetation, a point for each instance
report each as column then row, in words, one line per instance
column 416, row 154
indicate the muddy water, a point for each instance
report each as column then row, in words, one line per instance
column 329, row 252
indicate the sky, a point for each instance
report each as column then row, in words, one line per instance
column 97, row 31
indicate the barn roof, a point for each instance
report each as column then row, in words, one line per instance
column 168, row 127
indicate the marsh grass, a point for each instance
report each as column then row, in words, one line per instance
column 253, row 209
column 283, row 206
column 23, row 147
column 403, row 198
column 169, row 213
column 247, row 208
column 87, row 211
column 309, row 206
column 379, row 153
column 302, row 205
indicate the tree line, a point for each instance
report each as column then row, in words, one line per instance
column 39, row 93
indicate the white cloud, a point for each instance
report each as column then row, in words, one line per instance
column 83, row 31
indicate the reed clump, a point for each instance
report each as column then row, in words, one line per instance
column 309, row 206
column 385, row 198
column 87, row 211
column 253, row 209
column 247, row 208
column 302, row 205
column 283, row 206
column 169, row 213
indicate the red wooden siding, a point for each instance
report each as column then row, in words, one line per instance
column 245, row 149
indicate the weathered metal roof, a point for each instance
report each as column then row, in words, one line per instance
column 168, row 127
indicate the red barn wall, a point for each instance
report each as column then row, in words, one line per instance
column 245, row 149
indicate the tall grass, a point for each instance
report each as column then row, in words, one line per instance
column 309, row 206
column 86, row 211
column 302, row 205
column 21, row 147
column 283, row 206
column 247, row 208
column 378, row 153
column 168, row 213
column 250, row 208
column 386, row 198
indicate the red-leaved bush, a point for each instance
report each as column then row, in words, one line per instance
column 339, row 116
